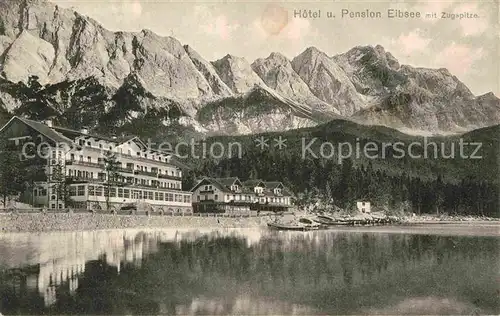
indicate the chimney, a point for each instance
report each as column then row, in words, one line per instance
column 48, row 123
column 84, row 130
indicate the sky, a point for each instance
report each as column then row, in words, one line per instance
column 469, row 47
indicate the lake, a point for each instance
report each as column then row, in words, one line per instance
column 434, row 269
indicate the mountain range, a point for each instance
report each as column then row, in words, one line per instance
column 121, row 81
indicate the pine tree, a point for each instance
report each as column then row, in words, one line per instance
column 111, row 166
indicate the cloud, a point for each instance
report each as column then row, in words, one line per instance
column 127, row 9
column 296, row 29
column 458, row 58
column 472, row 26
column 220, row 27
column 214, row 25
column 433, row 6
column 430, row 6
column 412, row 42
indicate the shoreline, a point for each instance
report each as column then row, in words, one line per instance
column 31, row 223
column 38, row 222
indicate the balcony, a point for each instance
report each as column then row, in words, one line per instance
column 85, row 163
column 149, row 186
column 169, row 177
column 76, row 179
column 126, row 170
column 146, row 173
column 207, row 192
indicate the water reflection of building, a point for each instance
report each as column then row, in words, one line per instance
column 52, row 263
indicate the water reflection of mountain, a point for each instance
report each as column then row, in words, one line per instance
column 244, row 272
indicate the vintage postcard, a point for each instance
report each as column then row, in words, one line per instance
column 249, row 157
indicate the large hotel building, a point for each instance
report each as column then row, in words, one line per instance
column 78, row 158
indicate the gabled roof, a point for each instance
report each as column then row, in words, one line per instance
column 228, row 181
column 254, row 183
column 42, row 129
column 212, row 181
column 273, row 184
column 71, row 133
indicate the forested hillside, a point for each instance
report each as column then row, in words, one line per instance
column 433, row 185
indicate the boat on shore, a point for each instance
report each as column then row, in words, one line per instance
column 356, row 220
column 329, row 221
column 303, row 224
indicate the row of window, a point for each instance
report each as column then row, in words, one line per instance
column 129, row 166
column 258, row 190
column 82, row 142
column 130, row 194
column 246, row 198
column 101, row 176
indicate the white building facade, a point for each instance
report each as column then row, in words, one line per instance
column 81, row 161
column 230, row 195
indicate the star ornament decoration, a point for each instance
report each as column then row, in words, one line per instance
column 262, row 142
column 280, row 142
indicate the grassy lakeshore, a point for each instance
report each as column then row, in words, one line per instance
column 37, row 222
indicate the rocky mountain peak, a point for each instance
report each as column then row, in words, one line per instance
column 237, row 73
column 75, row 55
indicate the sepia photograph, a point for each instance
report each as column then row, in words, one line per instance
column 249, row 157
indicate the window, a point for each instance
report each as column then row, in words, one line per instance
column 81, row 190
column 156, row 196
column 72, row 191
column 53, row 197
column 91, row 190
column 160, row 196
column 98, row 191
column 112, row 192
column 170, row 197
column 89, row 144
column 126, row 193
column 54, row 154
column 89, row 159
column 198, row 198
column 70, row 172
column 150, row 195
column 106, row 191
column 100, row 145
column 72, row 157
column 43, row 192
column 120, row 192
column 215, row 198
